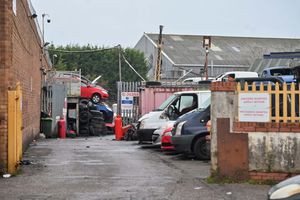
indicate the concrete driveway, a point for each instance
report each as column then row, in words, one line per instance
column 100, row 168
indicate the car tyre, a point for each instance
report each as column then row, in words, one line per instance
column 83, row 117
column 96, row 98
column 201, row 150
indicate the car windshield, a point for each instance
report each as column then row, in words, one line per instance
column 219, row 76
column 281, row 72
column 205, row 104
column 167, row 102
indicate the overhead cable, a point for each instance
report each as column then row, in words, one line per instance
column 81, row 51
column 132, row 67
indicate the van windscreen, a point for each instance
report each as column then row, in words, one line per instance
column 167, row 102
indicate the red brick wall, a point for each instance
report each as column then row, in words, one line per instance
column 266, row 127
column 223, row 86
column 5, row 63
column 21, row 61
column 273, row 176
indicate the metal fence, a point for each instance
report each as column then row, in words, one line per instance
column 128, row 101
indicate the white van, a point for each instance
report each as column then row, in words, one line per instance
column 193, row 80
column 176, row 105
column 235, row 74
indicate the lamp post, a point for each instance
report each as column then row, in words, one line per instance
column 206, row 45
column 43, row 29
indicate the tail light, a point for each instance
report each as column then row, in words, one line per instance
column 208, row 126
column 168, row 131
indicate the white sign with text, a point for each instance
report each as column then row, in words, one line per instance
column 126, row 102
column 254, row 107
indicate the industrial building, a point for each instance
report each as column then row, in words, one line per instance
column 183, row 56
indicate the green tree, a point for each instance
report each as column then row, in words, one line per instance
column 94, row 61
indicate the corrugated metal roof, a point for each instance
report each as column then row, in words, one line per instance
column 226, row 50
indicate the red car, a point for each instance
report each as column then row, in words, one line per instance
column 92, row 91
column 88, row 89
column 166, row 139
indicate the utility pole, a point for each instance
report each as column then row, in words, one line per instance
column 120, row 64
column 206, row 45
column 120, row 82
column 159, row 50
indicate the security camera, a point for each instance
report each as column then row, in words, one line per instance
column 48, row 20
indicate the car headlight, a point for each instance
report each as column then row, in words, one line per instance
column 169, row 133
column 179, row 128
column 285, row 191
column 142, row 124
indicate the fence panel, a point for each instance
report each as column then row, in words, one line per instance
column 284, row 100
column 128, row 105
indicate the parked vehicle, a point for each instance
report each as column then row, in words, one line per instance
column 189, row 136
column 158, row 133
column 88, row 89
column 106, row 111
column 288, row 189
column 166, row 139
column 176, row 105
column 92, row 91
column 260, row 80
column 235, row 74
column 193, row 80
column 284, row 72
column 167, row 133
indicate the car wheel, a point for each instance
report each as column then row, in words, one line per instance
column 96, row 98
column 201, row 149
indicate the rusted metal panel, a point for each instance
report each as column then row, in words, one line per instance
column 232, row 152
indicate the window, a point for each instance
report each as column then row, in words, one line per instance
column 83, row 84
column 281, row 72
column 186, row 103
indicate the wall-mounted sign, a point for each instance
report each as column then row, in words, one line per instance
column 126, row 102
column 130, row 94
column 254, row 107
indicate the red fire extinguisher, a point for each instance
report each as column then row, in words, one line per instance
column 62, row 128
column 118, row 127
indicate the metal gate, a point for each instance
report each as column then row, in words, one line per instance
column 128, row 101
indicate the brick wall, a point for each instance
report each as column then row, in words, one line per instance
column 255, row 150
column 5, row 63
column 266, row 127
column 20, row 60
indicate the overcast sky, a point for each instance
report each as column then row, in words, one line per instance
column 113, row 22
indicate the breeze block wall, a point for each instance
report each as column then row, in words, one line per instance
column 250, row 150
column 21, row 60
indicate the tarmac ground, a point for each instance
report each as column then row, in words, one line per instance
column 102, row 168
